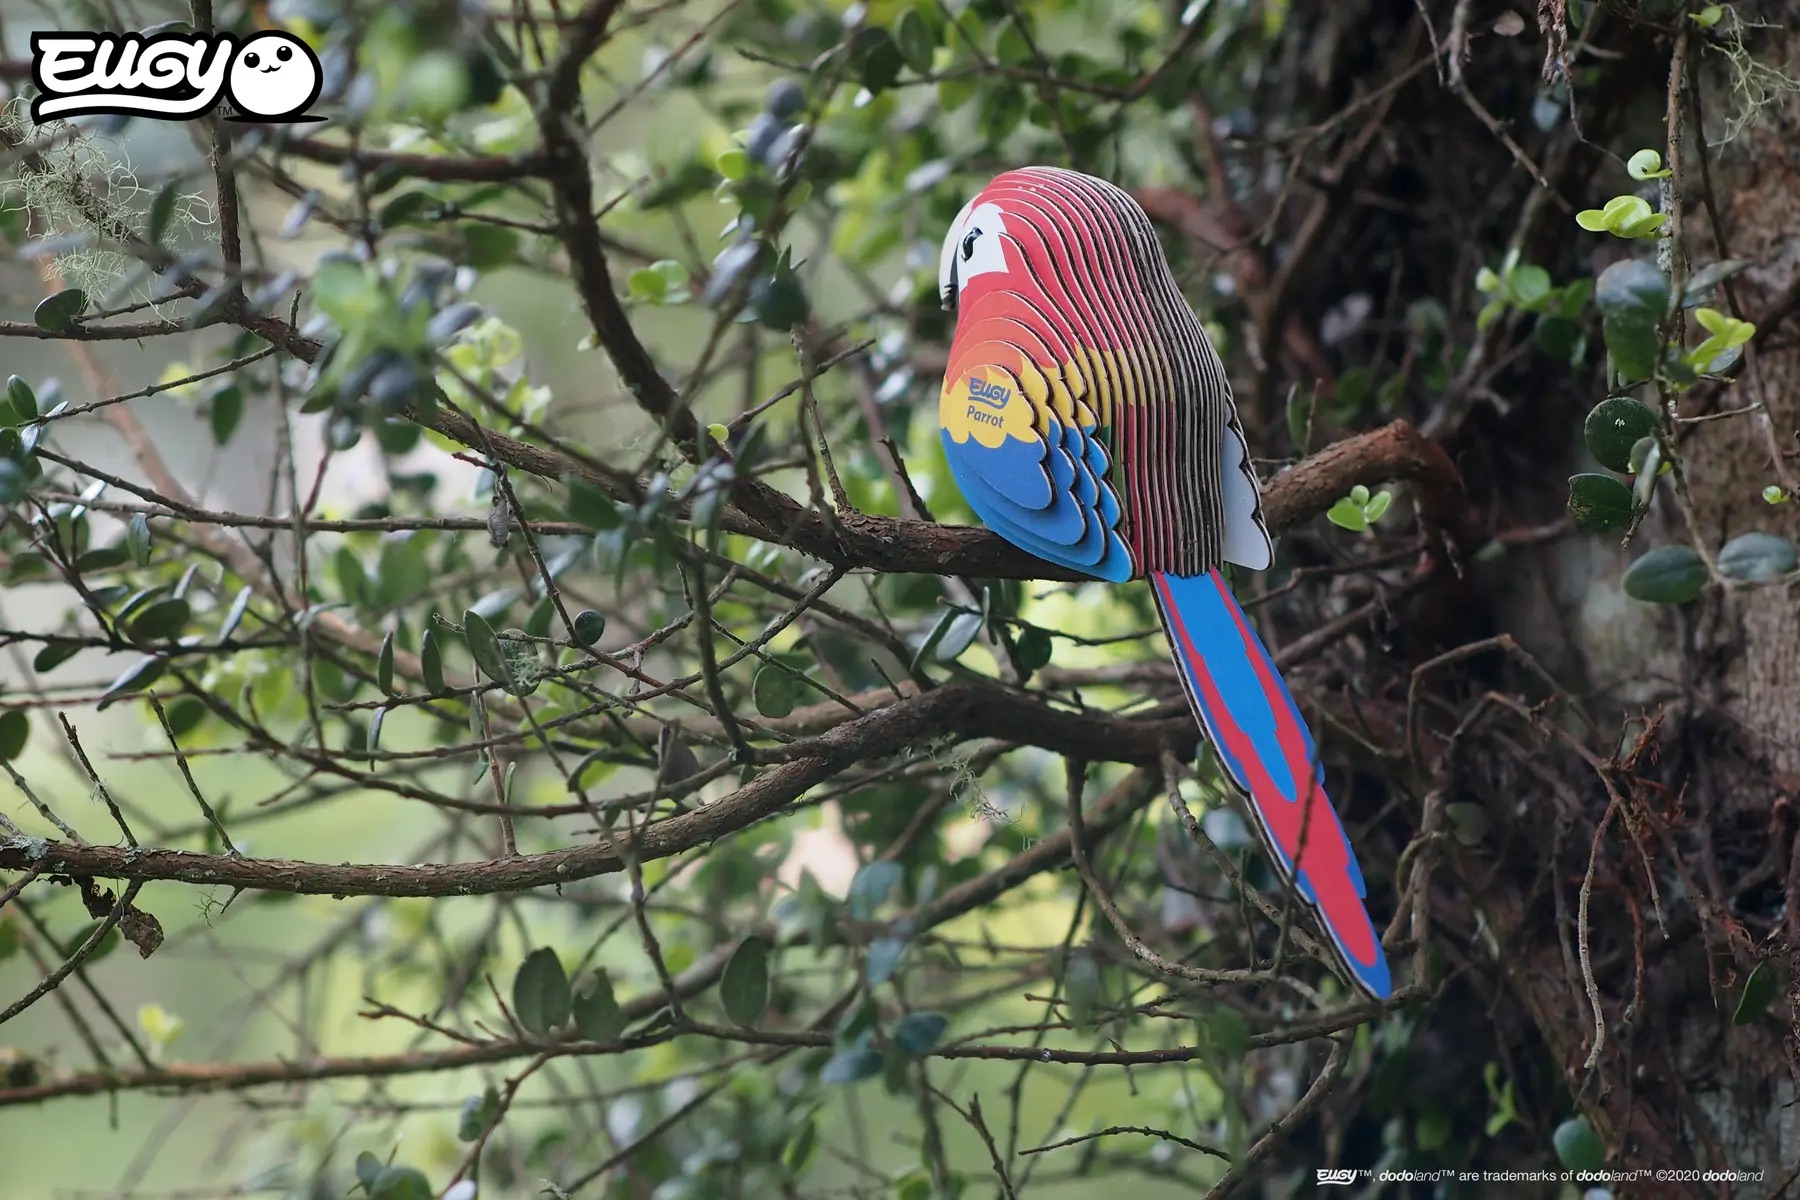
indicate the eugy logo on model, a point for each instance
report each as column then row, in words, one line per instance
column 271, row 76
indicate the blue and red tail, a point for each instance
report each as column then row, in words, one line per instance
column 1265, row 747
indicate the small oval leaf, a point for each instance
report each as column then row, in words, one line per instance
column 598, row 1017
column 384, row 665
column 1614, row 427
column 773, row 691
column 1757, row 558
column 959, row 635
column 1632, row 296
column 57, row 313
column 164, row 619
column 918, row 1032
column 541, row 996
column 484, row 648
column 142, row 674
column 744, row 986
column 1666, row 575
column 589, row 626
column 15, row 731
column 1600, row 503
column 431, row 662
column 1578, row 1146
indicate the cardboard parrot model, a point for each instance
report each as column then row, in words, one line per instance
column 1088, row 421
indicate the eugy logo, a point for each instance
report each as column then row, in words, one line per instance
column 272, row 76
column 1327, row 1176
column 981, row 389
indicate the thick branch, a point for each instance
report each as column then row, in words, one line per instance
column 970, row 710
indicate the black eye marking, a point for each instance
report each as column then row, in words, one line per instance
column 968, row 246
column 250, row 60
column 284, row 53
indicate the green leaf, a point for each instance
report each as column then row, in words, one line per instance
column 137, row 677
column 54, row 656
column 744, row 985
column 797, row 1155
column 1530, row 285
column 598, row 1017
column 21, row 400
column 384, row 665
column 185, row 713
column 137, row 539
column 1033, row 648
column 1757, row 558
column 484, row 648
column 959, row 634
column 540, row 992
column 401, row 1183
column 914, row 37
column 166, row 618
column 588, row 505
column 1633, row 296
column 918, row 1032
column 15, row 731
column 870, row 888
column 431, row 661
column 1759, row 993
column 1347, row 514
column 1578, row 1146
column 57, row 313
column 1702, row 283
column 647, row 283
column 1011, row 47
column 235, row 614
column 883, row 959
column 1666, row 575
column 1600, row 503
column 1645, row 164
column 1709, row 16
column 478, row 1115
column 589, row 626
column 1433, row 1130
column 773, row 691
column 852, row 1065
column 1224, row 1030
column 878, row 57
column 1614, row 427
column 1081, row 988
column 162, row 211
column 225, row 408
column 367, row 1168
column 524, row 668
column 1469, row 823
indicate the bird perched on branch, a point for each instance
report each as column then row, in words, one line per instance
column 1088, row 421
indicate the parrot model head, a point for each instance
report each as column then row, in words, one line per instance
column 1087, row 420
column 975, row 246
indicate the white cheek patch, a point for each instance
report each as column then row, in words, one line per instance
column 951, row 248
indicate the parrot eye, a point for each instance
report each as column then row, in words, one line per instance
column 968, row 246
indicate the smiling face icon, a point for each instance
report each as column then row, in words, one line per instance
column 274, row 77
